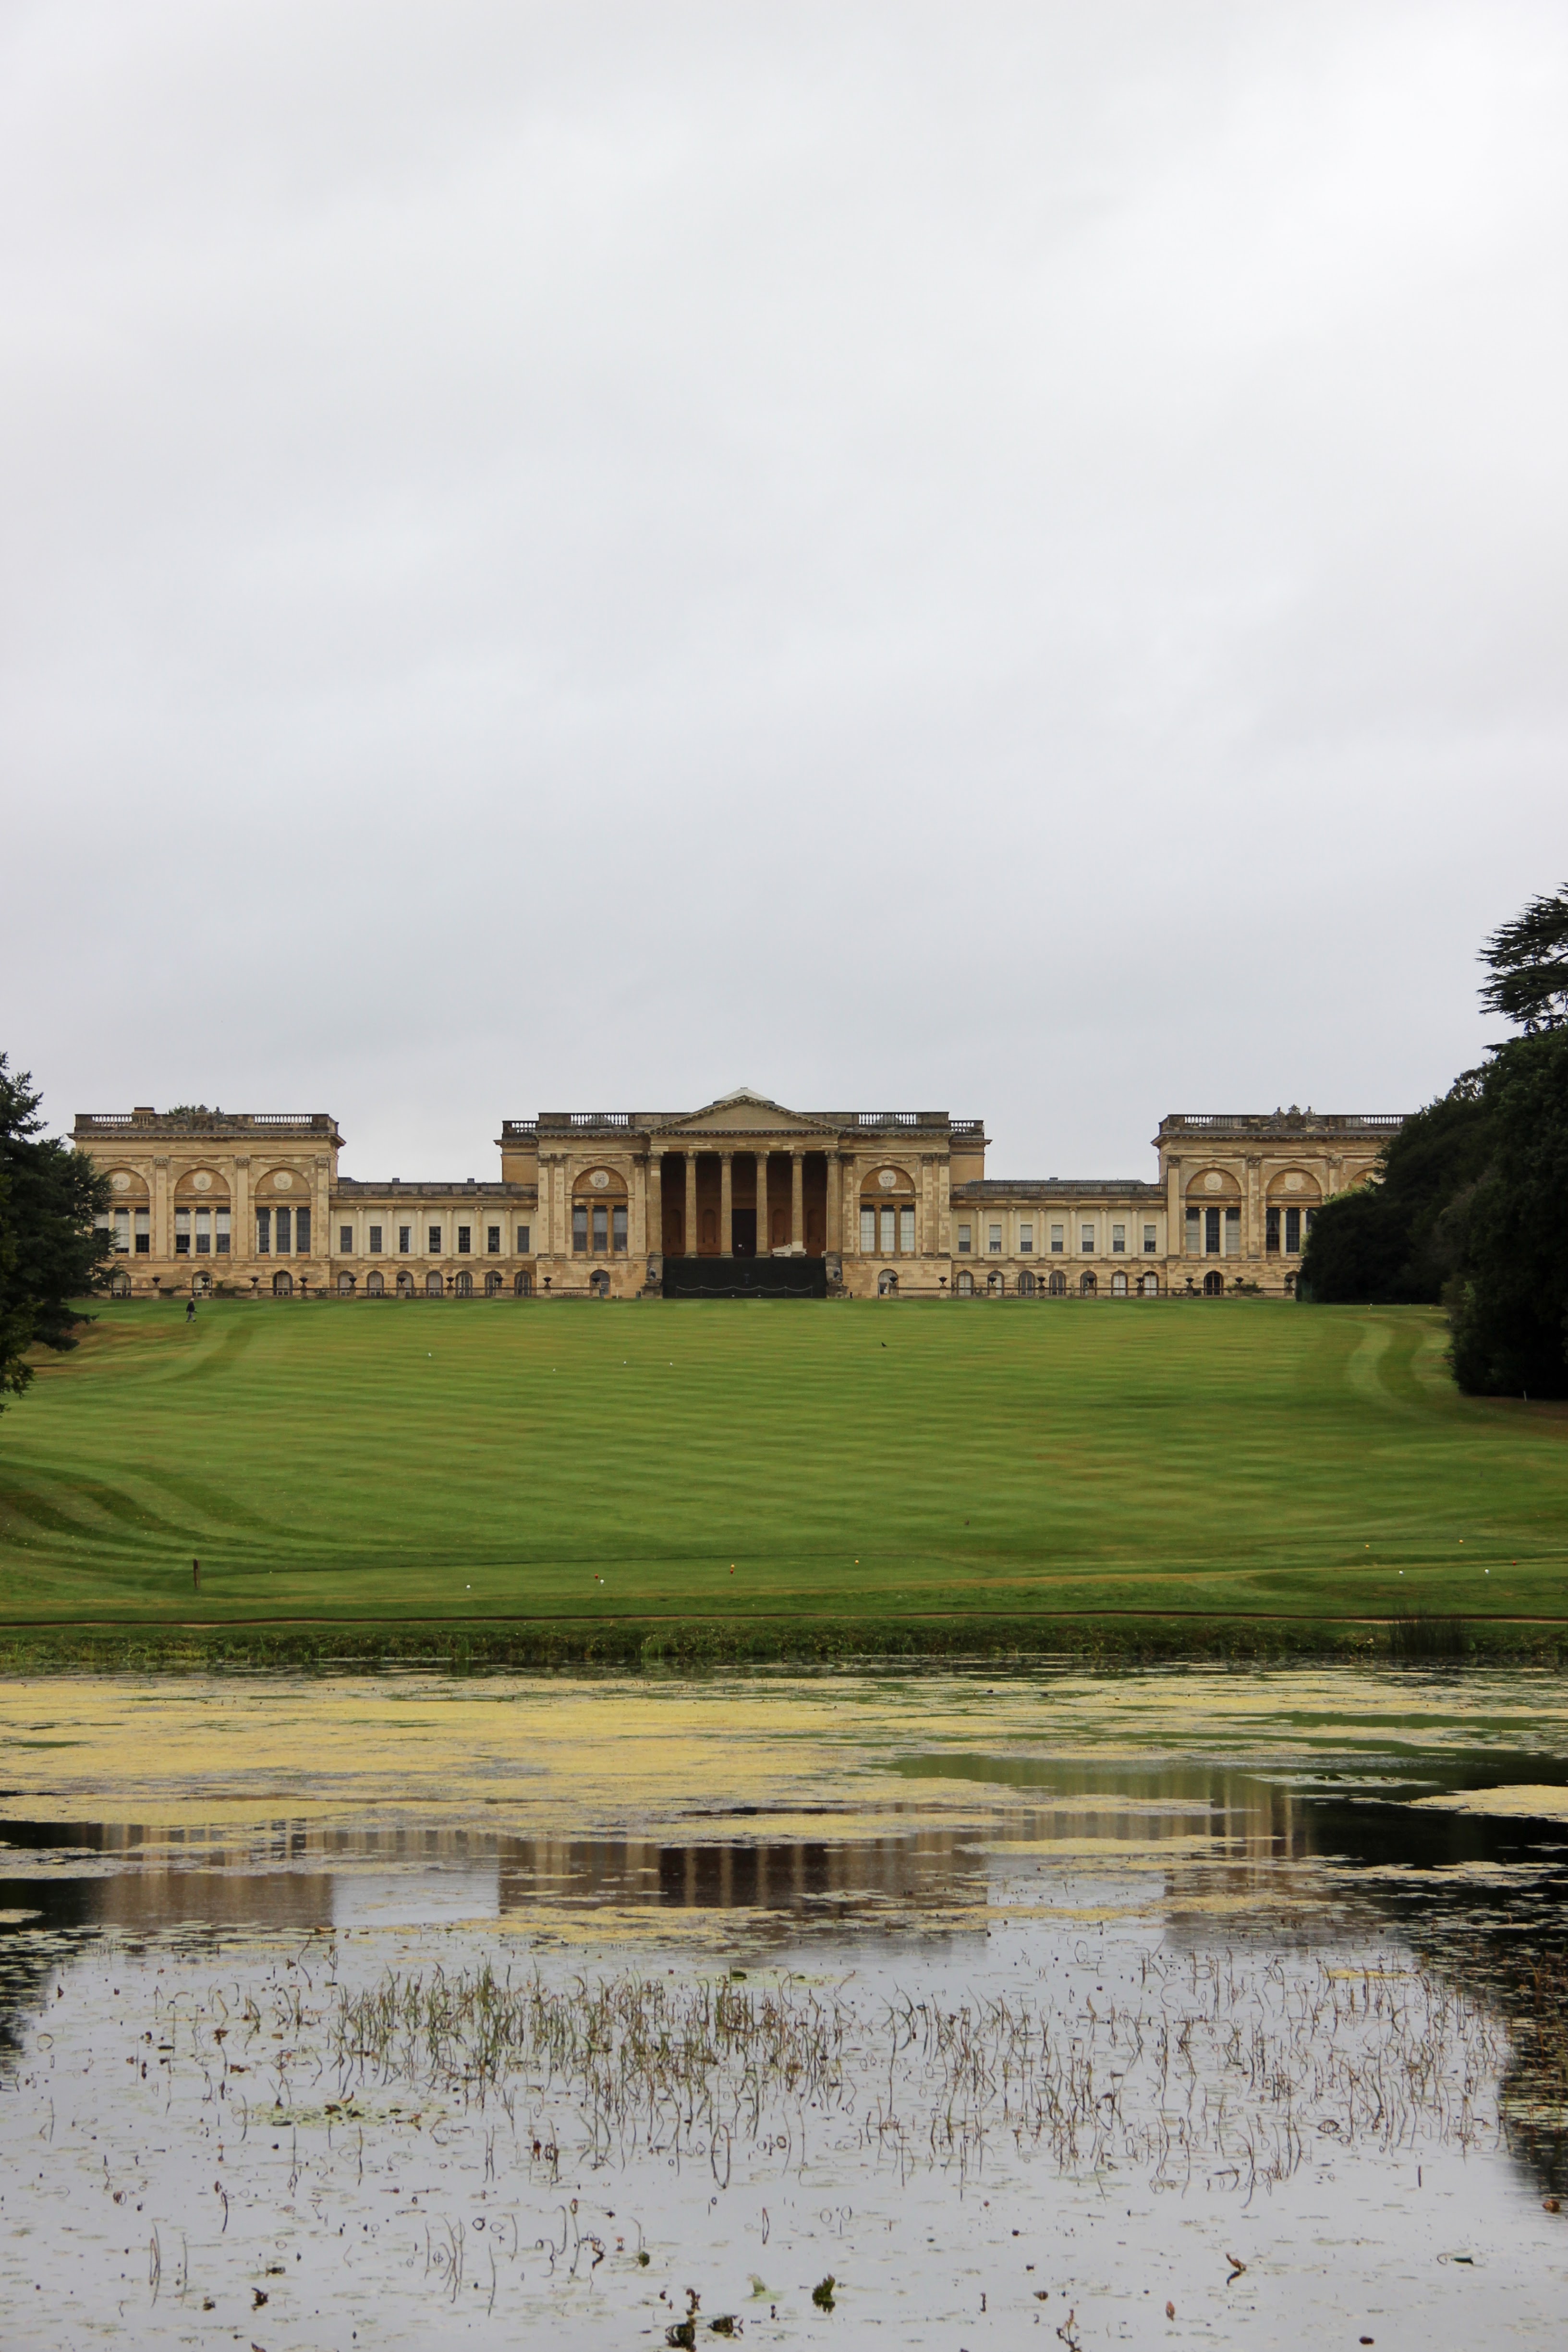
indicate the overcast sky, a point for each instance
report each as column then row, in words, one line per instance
column 1001, row 557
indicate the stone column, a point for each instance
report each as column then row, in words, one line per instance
column 691, row 1203
column 1176, row 1231
column 241, row 1239
column 944, row 1208
column 726, row 1204
column 1254, row 1238
column 797, row 1199
column 834, row 1205
column 321, row 1235
column 653, row 1238
column 763, row 1242
column 162, row 1236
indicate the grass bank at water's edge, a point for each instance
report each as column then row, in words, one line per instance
column 491, row 1483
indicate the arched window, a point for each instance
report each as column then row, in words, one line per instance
column 345, row 1286
column 996, row 1282
column 1150, row 1286
column 463, row 1284
column 282, row 1283
column 1118, row 1286
column 1087, row 1286
column 886, row 1283
column 493, row 1284
column 374, row 1285
column 1214, row 1283
column 1056, row 1284
column 121, row 1286
column 434, row 1286
column 1028, row 1285
column 966, row 1285
column 201, row 1285
column 599, row 1283
column 523, row 1285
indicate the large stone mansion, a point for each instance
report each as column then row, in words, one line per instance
column 740, row 1196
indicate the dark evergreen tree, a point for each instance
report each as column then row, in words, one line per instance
column 1399, row 1240
column 1528, row 959
column 52, row 1253
column 1509, row 1304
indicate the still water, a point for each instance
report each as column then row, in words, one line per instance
column 1187, row 2008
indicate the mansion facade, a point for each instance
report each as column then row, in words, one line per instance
column 742, row 1196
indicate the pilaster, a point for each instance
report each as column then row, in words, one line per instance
column 726, row 1204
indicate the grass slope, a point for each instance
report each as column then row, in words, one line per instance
column 478, row 1462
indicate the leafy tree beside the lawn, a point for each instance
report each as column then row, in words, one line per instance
column 51, row 1250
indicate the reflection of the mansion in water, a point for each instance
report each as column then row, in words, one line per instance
column 639, row 1203
column 908, row 1872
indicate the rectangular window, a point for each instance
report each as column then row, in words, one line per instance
column 1148, row 1242
column 1059, row 1240
column 965, row 1240
column 1233, row 1232
column 907, row 1231
column 346, row 1240
column 492, row 1240
column 523, row 1241
column 203, row 1233
column 465, row 1237
column 1025, row 1238
column 433, row 1239
column 618, row 1229
column 1292, row 1232
column 1118, row 1241
column 301, row 1229
column 263, row 1233
column 375, row 1241
column 182, row 1232
column 221, row 1238
column 868, row 1230
column 1210, row 1233
column 405, row 1240
column 601, row 1229
column 123, row 1232
column 1271, row 1232
column 580, row 1227
column 284, row 1239
column 1194, row 1232
column 994, row 1242
column 890, row 1243
column 1086, row 1241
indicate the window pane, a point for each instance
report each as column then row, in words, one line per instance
column 434, row 1239
column 1118, row 1240
column 1272, row 1230
column 580, row 1228
column 263, row 1233
column 492, row 1240
column 345, row 1239
column 1194, row 1232
column 889, row 1242
column 284, row 1237
column 869, row 1230
column 1026, row 1237
column 223, row 1232
column 203, row 1233
column 465, row 1234
column 907, row 1231
column 1210, row 1233
column 601, row 1230
column 302, row 1229
column 122, row 1231
column 1086, row 1241
column 1293, row 1230
column 404, row 1239
column 1059, row 1240
column 523, row 1241
column 182, row 1232
column 965, row 1240
column 375, row 1241
column 1149, row 1244
column 618, row 1227
column 1233, row 1232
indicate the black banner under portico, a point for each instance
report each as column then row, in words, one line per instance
column 745, row 1277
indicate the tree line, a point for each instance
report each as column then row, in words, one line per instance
column 1469, row 1206
column 52, row 1251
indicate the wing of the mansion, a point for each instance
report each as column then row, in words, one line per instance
column 742, row 1195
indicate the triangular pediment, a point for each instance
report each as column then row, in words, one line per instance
column 745, row 1113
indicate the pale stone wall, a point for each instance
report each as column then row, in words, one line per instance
column 898, row 1203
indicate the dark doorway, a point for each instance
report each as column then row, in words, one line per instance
column 745, row 1223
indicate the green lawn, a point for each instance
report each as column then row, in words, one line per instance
column 388, row 1463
